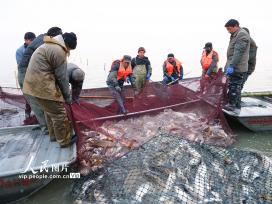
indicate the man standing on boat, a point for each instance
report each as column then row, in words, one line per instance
column 209, row 61
column 29, row 38
column 47, row 80
column 237, row 63
column 22, row 68
column 76, row 78
column 141, row 69
column 252, row 58
column 172, row 70
column 121, row 70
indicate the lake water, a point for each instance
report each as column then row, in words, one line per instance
column 59, row 191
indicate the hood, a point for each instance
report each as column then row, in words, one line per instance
column 56, row 40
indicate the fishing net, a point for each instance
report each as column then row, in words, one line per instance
column 167, row 169
column 188, row 112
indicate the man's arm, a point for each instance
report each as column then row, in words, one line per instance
column 149, row 68
column 63, row 81
column 181, row 72
column 112, row 77
column 213, row 65
column 164, row 69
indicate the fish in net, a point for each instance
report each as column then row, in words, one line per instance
column 168, row 169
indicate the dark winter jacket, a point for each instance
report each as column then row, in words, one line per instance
column 238, row 51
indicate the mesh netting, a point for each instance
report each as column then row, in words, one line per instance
column 167, row 169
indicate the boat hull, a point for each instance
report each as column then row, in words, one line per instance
column 257, row 124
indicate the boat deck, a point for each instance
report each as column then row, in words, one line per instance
column 252, row 107
column 20, row 145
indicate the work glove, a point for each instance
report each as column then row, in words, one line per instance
column 229, row 71
column 128, row 80
column 173, row 79
column 207, row 77
column 148, row 77
column 118, row 88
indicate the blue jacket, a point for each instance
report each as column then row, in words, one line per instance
column 37, row 42
column 19, row 53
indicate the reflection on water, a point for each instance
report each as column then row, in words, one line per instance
column 250, row 141
column 58, row 191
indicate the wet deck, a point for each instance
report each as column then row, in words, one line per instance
column 253, row 107
column 19, row 145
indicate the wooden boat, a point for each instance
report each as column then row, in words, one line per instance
column 29, row 161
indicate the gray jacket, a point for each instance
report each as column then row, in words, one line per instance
column 76, row 84
column 238, row 51
column 252, row 56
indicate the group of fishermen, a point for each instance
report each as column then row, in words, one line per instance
column 137, row 71
column 241, row 62
column 44, row 75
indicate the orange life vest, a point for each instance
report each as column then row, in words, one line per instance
column 206, row 61
column 170, row 67
column 122, row 72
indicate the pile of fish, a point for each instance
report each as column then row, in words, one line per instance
column 168, row 169
column 114, row 139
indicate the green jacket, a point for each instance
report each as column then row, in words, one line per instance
column 46, row 75
column 252, row 56
column 238, row 51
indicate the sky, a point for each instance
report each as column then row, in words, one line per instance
column 106, row 30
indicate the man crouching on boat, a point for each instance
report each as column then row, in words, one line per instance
column 47, row 80
column 120, row 70
column 76, row 77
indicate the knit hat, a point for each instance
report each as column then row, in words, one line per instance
column 170, row 55
column 127, row 58
column 70, row 40
column 208, row 45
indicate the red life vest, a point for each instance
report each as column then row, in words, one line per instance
column 206, row 61
column 170, row 67
column 122, row 72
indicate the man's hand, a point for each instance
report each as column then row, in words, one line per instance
column 207, row 77
column 128, row 80
column 118, row 88
column 229, row 71
column 172, row 78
